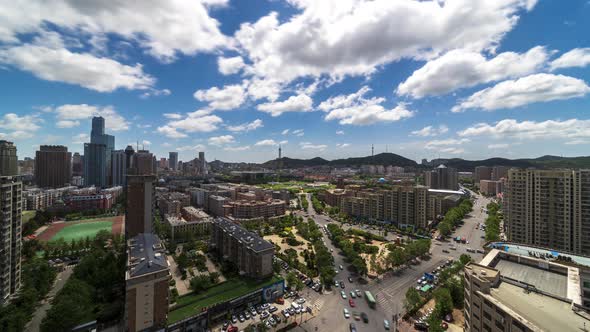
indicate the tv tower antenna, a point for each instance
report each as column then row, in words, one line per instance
column 372, row 150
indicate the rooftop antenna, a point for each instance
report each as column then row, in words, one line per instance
column 137, row 145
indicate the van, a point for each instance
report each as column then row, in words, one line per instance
column 295, row 305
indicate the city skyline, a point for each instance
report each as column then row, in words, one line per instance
column 238, row 80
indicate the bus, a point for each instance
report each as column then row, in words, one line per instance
column 370, row 299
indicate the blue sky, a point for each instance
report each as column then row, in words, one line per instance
column 424, row 79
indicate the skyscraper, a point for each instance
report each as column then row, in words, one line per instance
column 98, row 136
column 129, row 152
column 141, row 191
column 549, row 208
column 173, row 160
column 53, row 166
column 10, row 222
column 95, row 170
column 77, row 165
column 203, row 163
column 442, row 177
column 118, row 168
column 8, row 159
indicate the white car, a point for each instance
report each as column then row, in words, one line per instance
column 346, row 313
column 343, row 294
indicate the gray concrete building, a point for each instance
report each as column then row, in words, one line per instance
column 549, row 208
column 249, row 252
column 510, row 292
column 146, row 284
column 173, row 160
column 53, row 166
column 10, row 236
column 8, row 159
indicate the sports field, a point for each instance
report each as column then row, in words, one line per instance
column 81, row 229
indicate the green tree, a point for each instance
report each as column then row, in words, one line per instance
column 412, row 299
column 444, row 300
column 464, row 259
column 75, row 294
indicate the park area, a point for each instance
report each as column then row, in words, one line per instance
column 80, row 229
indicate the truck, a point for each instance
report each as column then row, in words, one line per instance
column 370, row 299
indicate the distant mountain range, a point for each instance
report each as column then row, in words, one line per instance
column 460, row 164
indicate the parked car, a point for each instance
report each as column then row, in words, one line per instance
column 341, row 267
column 356, row 315
column 351, row 303
column 234, row 319
column 364, row 317
column 300, row 300
column 241, row 318
column 358, row 293
column 272, row 309
column 346, row 313
column 350, row 279
column 352, row 294
column 386, row 324
column 445, row 251
column 352, row 327
column 343, row 294
column 342, row 284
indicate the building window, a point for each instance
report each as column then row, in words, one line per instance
column 500, row 325
column 487, row 315
column 486, row 327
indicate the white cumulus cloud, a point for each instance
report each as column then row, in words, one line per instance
column 228, row 66
column 431, row 131
column 464, row 68
column 571, row 129
column 227, row 98
column 299, row 103
column 526, row 90
column 248, row 126
column 221, row 140
column 578, row 57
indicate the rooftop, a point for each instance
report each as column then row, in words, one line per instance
column 145, row 255
column 545, row 312
column 252, row 240
column 547, row 281
column 523, row 250
column 444, row 191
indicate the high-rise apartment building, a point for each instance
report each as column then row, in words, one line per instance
column 173, row 160
column 8, row 159
column 482, row 173
column 53, row 166
column 141, row 195
column 77, row 165
column 549, row 208
column 146, row 284
column 442, row 177
column 118, row 168
column 10, row 222
column 249, row 252
column 499, row 172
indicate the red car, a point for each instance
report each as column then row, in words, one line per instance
column 351, row 302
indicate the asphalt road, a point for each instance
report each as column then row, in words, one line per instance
column 35, row 323
column 390, row 291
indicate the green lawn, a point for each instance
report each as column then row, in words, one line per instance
column 82, row 230
column 194, row 303
column 28, row 215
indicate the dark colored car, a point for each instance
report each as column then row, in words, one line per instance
column 352, row 327
column 364, row 317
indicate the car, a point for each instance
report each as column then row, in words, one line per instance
column 331, row 250
column 342, row 284
column 241, row 318
column 358, row 293
column 352, row 327
column 343, row 294
column 346, row 313
column 272, row 309
column 336, row 271
column 351, row 303
column 356, row 315
column 352, row 294
column 300, row 300
column 364, row 317
column 234, row 319
column 285, row 313
column 225, row 325
column 246, row 315
column 453, row 248
column 336, row 283
column 350, row 279
column 264, row 315
column 480, row 251
column 386, row 324
column 445, row 251
column 253, row 311
column 276, row 318
column 341, row 267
